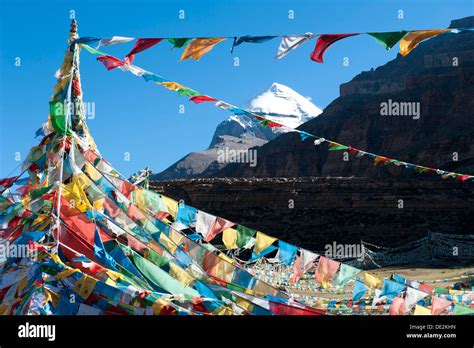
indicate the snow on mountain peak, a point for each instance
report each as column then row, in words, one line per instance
column 284, row 105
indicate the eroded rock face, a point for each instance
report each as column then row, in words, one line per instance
column 438, row 75
column 327, row 210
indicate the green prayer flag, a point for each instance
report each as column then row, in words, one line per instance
column 160, row 278
column 338, row 147
column 188, row 92
column 346, row 273
column 462, row 310
column 156, row 258
column 388, row 40
column 93, row 50
column 58, row 117
column 36, row 193
column 244, row 234
column 178, row 42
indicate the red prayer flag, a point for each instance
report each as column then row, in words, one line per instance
column 7, row 182
column 323, row 43
column 140, row 45
column 202, row 98
column 110, row 62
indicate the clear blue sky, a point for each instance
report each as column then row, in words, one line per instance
column 142, row 118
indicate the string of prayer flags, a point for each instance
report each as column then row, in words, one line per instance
column 140, row 45
column 323, row 43
column 199, row 47
column 333, row 146
column 290, row 43
column 388, row 39
column 412, row 40
column 250, row 39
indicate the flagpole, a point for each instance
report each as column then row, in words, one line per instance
column 72, row 36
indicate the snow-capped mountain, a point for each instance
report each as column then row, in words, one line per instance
column 282, row 104
column 279, row 103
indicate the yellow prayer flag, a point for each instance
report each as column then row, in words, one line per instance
column 99, row 204
column 180, row 274
column 66, row 273
column 372, row 281
column 176, row 237
column 167, row 243
column 223, row 270
column 262, row 242
column 226, row 258
column 199, row 47
column 74, row 193
column 139, row 199
column 229, row 237
column 84, row 286
column 411, row 41
column 171, row 85
column 171, row 205
column 93, row 173
column 420, row 310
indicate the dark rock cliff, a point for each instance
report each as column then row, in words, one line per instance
column 324, row 210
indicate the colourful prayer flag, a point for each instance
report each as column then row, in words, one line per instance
column 323, row 43
column 199, row 47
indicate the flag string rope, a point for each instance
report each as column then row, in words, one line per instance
column 198, row 97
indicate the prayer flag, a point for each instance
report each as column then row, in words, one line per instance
column 323, row 43
column 438, row 305
column 290, row 43
column 412, row 40
column 199, row 47
column 389, row 39
column 287, row 252
column 140, row 45
column 262, row 242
